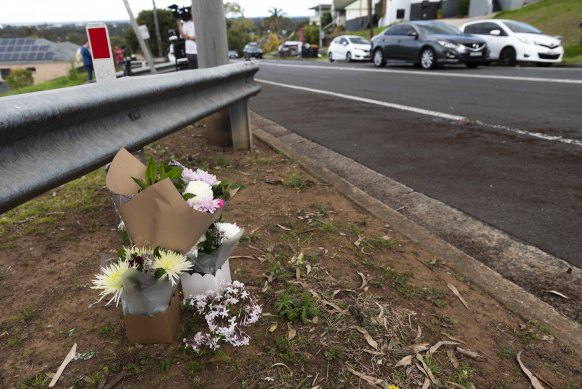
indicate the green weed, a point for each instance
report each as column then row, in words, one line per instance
column 294, row 305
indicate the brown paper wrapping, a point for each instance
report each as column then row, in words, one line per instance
column 158, row 215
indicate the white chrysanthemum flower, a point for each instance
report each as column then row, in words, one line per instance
column 138, row 251
column 173, row 265
column 202, row 191
column 110, row 281
column 227, row 230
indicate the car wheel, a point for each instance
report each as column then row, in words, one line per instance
column 379, row 59
column 349, row 57
column 330, row 57
column 427, row 58
column 472, row 65
column 508, row 57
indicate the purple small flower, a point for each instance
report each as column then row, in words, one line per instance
column 200, row 175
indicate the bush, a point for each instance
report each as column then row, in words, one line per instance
column 19, row 78
column 272, row 43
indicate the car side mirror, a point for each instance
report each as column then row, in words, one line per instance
column 495, row 32
column 413, row 34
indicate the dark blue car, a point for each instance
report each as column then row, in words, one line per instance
column 428, row 44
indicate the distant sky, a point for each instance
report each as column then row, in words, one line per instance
column 40, row 11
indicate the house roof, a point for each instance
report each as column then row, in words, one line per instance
column 14, row 50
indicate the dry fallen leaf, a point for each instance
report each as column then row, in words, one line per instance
column 315, row 320
column 369, row 379
column 364, row 282
column 453, row 358
column 471, row 354
column 558, row 294
column 308, row 267
column 283, row 228
column 406, row 361
column 359, row 241
column 427, row 370
column 273, row 327
column 456, row 292
column 426, row 384
column 368, row 337
column 434, row 348
column 336, row 292
column 291, row 332
column 534, row 381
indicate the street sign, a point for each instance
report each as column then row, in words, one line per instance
column 100, row 45
column 143, row 31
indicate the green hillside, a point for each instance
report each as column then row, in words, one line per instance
column 553, row 17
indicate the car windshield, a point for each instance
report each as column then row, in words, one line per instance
column 522, row 27
column 359, row 41
column 437, row 28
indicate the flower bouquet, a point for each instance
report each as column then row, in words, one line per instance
column 145, row 281
column 209, row 257
column 225, row 314
column 165, row 205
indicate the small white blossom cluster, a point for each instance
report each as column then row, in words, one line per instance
column 225, row 314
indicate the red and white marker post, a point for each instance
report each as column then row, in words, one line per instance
column 103, row 65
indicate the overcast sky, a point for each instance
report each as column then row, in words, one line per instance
column 40, row 11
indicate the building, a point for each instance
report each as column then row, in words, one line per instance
column 353, row 14
column 46, row 59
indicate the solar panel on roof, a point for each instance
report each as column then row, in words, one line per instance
column 43, row 48
column 12, row 57
column 1, row 57
column 9, row 49
column 34, row 48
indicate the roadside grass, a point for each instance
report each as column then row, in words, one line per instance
column 77, row 195
column 74, row 78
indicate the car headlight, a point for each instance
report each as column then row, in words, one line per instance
column 447, row 44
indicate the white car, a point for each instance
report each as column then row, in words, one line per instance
column 349, row 48
column 511, row 42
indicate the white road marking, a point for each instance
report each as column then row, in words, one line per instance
column 369, row 101
column 432, row 73
column 421, row 111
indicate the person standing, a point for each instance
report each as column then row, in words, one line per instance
column 188, row 33
column 87, row 60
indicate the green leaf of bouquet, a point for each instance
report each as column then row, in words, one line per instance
column 159, row 273
column 151, row 172
column 188, row 196
column 141, row 184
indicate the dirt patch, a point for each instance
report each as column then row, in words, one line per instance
column 377, row 293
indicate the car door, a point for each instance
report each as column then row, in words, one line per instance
column 343, row 48
column 408, row 43
column 333, row 47
column 389, row 42
column 495, row 36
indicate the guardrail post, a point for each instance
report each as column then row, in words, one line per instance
column 240, row 124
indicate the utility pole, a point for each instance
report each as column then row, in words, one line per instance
column 370, row 18
column 320, row 26
column 144, row 48
column 157, row 26
column 230, row 127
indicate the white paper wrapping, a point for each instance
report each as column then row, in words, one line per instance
column 193, row 284
column 145, row 295
column 209, row 263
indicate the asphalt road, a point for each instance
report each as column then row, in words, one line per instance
column 503, row 145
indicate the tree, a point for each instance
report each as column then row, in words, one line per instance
column 166, row 22
column 233, row 10
column 311, row 34
column 19, row 78
column 276, row 21
column 239, row 32
column 272, row 43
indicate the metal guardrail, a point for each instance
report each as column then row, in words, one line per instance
column 52, row 137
